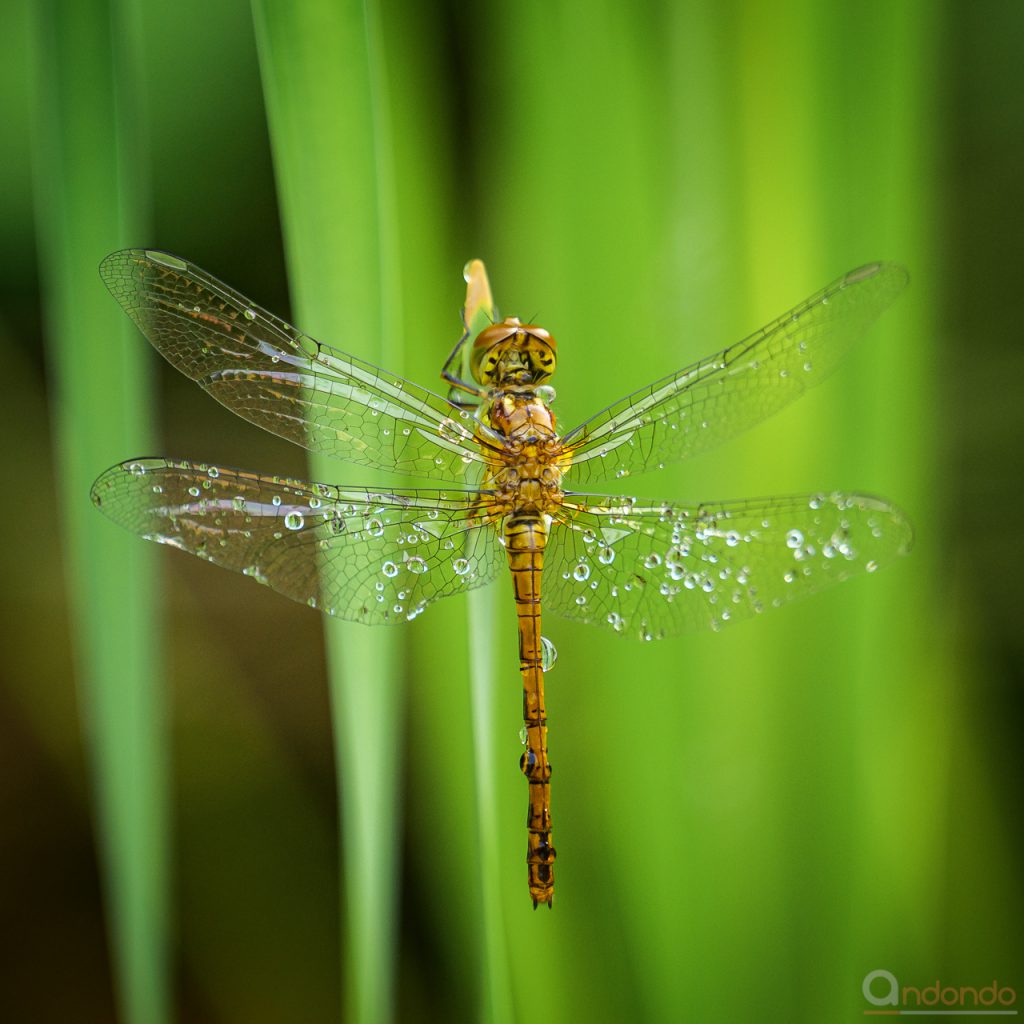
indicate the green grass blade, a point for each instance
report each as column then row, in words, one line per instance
column 496, row 985
column 690, row 190
column 330, row 144
column 100, row 376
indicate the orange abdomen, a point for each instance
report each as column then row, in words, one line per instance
column 525, row 539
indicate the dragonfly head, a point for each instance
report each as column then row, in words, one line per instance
column 513, row 353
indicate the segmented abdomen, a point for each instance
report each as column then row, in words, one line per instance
column 525, row 539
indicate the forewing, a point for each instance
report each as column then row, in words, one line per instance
column 657, row 570
column 366, row 555
column 271, row 374
column 713, row 400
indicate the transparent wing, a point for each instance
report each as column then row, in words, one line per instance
column 271, row 374
column 717, row 398
column 369, row 556
column 657, row 570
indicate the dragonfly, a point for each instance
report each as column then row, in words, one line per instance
column 640, row 568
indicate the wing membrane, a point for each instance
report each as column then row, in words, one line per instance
column 366, row 555
column 657, row 570
column 699, row 407
column 271, row 374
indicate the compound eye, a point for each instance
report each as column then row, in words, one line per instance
column 542, row 361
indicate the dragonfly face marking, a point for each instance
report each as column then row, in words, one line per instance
column 510, row 354
column 638, row 568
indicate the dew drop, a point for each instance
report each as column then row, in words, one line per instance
column 294, row 520
column 452, row 431
column 250, row 314
column 461, row 566
column 871, row 565
column 675, row 560
column 581, row 572
column 276, row 501
column 794, row 539
column 416, row 565
column 390, row 569
column 213, row 472
column 194, row 491
column 548, row 654
column 375, row 528
column 606, row 556
column 653, row 560
column 137, row 469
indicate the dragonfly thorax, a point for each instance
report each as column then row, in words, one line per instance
column 524, row 419
column 512, row 354
column 526, row 470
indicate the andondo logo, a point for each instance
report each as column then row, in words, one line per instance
column 882, row 989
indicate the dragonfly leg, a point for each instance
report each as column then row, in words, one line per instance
column 456, row 382
column 525, row 537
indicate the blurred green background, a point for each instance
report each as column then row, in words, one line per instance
column 747, row 822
